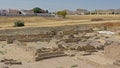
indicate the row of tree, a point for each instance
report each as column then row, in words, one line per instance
column 59, row 13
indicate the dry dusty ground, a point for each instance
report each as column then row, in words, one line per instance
column 96, row 60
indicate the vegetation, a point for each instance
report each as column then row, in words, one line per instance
column 39, row 10
column 6, row 22
column 19, row 24
column 47, row 11
column 97, row 19
column 62, row 13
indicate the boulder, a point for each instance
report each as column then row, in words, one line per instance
column 62, row 46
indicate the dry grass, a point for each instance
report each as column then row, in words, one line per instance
column 84, row 17
column 8, row 22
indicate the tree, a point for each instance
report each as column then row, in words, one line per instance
column 113, row 12
column 62, row 13
column 37, row 10
column 47, row 11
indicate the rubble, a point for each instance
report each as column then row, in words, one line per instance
column 11, row 62
column 54, row 43
column 47, row 53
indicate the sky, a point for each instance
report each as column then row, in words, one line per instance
column 55, row 5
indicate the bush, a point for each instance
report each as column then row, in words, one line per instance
column 62, row 13
column 19, row 24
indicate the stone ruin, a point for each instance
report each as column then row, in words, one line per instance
column 59, row 41
column 11, row 62
column 48, row 53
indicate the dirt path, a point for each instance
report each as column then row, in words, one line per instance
column 73, row 22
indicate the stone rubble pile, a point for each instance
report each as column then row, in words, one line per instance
column 47, row 53
column 55, row 43
column 11, row 62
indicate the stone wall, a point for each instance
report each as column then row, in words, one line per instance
column 39, row 33
column 27, row 38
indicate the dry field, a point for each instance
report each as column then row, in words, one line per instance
column 8, row 22
column 107, row 17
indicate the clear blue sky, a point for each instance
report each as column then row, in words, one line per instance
column 54, row 5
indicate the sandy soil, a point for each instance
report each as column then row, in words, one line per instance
column 69, row 62
column 97, row 60
column 62, row 62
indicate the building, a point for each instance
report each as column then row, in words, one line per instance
column 3, row 12
column 28, row 12
column 81, row 11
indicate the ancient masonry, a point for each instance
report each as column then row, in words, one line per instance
column 65, row 36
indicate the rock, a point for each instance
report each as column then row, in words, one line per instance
column 85, row 53
column 10, row 40
column 17, row 43
column 79, row 48
column 53, row 43
column 62, row 47
column 117, row 62
column 98, row 43
column 47, row 55
column 11, row 62
column 90, row 34
column 88, row 47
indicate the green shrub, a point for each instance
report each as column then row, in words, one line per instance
column 19, row 24
column 62, row 13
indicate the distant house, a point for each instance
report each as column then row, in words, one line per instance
column 69, row 12
column 31, row 13
column 14, row 12
column 28, row 12
column 3, row 12
column 81, row 11
column 105, row 12
column 77, row 12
